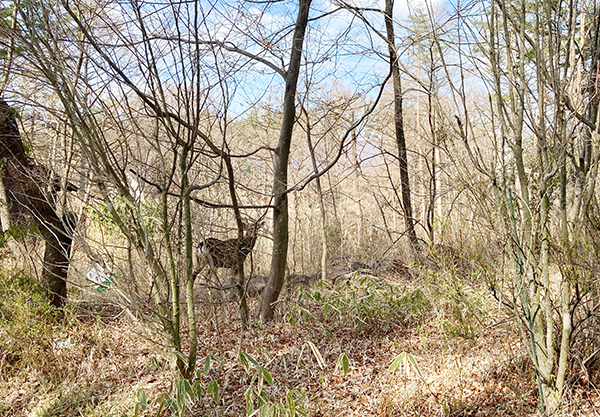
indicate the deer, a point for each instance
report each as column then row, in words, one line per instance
column 224, row 253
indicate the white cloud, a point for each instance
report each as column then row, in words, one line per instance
column 402, row 8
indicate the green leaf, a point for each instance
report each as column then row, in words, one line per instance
column 141, row 394
column 251, row 359
column 413, row 361
column 172, row 406
column 249, row 402
column 198, row 389
column 168, row 401
column 265, row 410
column 181, row 356
column 188, row 389
column 163, row 402
column 213, row 388
column 207, row 365
column 136, row 410
column 318, row 356
column 181, row 397
column 344, row 362
column 262, row 398
column 399, row 359
column 244, row 361
column 289, row 400
column 267, row 376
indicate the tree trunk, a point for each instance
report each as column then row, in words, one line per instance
column 56, row 256
column 399, row 126
column 27, row 196
column 280, row 169
column 320, row 199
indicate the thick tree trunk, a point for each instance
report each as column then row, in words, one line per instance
column 56, row 256
column 280, row 180
column 26, row 188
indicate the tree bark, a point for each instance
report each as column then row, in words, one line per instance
column 320, row 199
column 399, row 126
column 280, row 169
column 27, row 195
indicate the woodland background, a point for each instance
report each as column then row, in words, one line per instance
column 426, row 173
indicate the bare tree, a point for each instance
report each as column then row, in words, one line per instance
column 399, row 124
column 541, row 111
column 280, row 176
column 389, row 37
column 155, row 128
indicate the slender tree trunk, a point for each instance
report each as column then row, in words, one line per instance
column 240, row 288
column 189, row 265
column 432, row 121
column 10, row 51
column 323, row 213
column 280, row 169
column 399, row 126
column 5, row 222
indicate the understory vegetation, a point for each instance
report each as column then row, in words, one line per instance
column 428, row 343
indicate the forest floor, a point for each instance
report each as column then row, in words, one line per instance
column 330, row 349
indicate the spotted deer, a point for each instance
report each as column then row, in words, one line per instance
column 223, row 253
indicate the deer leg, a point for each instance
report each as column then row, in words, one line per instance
column 217, row 282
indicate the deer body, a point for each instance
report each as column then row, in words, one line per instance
column 224, row 253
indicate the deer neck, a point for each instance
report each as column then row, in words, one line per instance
column 250, row 238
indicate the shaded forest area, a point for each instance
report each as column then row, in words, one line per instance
column 313, row 207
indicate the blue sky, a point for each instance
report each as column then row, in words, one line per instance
column 342, row 49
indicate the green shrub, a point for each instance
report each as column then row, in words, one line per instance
column 186, row 395
column 362, row 299
column 460, row 306
column 25, row 324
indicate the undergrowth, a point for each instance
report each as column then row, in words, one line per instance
column 26, row 323
column 50, row 366
column 362, row 299
column 85, row 371
column 460, row 306
column 202, row 395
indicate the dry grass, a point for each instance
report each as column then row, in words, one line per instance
column 88, row 366
column 94, row 364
